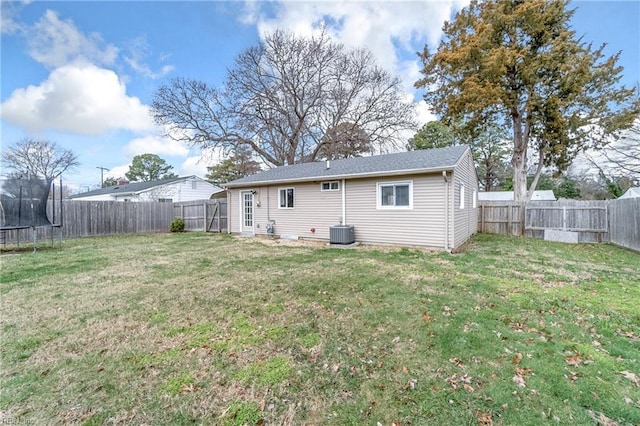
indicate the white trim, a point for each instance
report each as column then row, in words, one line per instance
column 329, row 189
column 379, row 185
column 475, row 199
column 253, row 213
column 287, row 188
column 344, row 203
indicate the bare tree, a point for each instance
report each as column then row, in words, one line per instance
column 624, row 154
column 39, row 158
column 282, row 96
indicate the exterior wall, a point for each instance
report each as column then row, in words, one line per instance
column 422, row 225
column 313, row 209
column 179, row 191
column 465, row 221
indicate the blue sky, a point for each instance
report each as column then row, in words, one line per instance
column 82, row 74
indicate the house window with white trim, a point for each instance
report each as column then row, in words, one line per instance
column 395, row 195
column 334, row 185
column 461, row 196
column 286, row 198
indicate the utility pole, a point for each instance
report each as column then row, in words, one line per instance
column 102, row 169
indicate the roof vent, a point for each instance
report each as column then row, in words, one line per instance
column 328, row 164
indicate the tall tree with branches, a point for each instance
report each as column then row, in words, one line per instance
column 40, row 158
column 519, row 63
column 149, row 167
column 283, row 96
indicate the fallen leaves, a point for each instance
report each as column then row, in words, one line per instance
column 426, row 317
column 463, row 381
column 517, row 358
column 574, row 359
column 631, row 376
column 485, row 418
column 601, row 419
column 521, row 373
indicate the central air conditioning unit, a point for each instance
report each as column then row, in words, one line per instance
column 342, row 234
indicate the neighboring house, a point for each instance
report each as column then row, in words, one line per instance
column 417, row 198
column 633, row 192
column 542, row 195
column 171, row 190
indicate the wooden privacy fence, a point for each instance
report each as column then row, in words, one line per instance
column 203, row 215
column 616, row 221
column 99, row 218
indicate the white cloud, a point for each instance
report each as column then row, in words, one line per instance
column 193, row 166
column 117, row 171
column 55, row 42
column 155, row 144
column 423, row 111
column 392, row 30
column 138, row 51
column 197, row 165
column 79, row 98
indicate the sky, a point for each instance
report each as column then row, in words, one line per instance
column 82, row 74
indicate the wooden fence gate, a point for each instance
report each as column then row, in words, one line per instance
column 203, row 215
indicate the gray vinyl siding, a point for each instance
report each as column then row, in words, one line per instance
column 465, row 222
column 233, row 207
column 423, row 225
column 313, row 209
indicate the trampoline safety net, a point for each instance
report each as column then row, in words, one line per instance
column 23, row 202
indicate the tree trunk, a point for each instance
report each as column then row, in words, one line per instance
column 519, row 160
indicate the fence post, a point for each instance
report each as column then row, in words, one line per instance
column 204, row 217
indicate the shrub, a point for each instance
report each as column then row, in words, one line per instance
column 177, row 225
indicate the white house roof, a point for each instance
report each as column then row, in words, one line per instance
column 436, row 159
column 633, row 192
column 542, row 195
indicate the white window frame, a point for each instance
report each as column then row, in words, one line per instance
column 379, row 187
column 461, row 195
column 330, row 183
column 286, row 207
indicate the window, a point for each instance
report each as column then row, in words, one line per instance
column 330, row 186
column 395, row 195
column 165, row 200
column 461, row 196
column 286, row 196
column 194, row 184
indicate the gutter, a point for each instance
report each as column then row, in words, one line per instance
column 341, row 176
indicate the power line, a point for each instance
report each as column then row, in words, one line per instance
column 102, row 170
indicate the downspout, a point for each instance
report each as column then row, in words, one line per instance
column 229, row 216
column 344, row 203
column 446, row 211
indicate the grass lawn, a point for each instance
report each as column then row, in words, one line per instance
column 211, row 329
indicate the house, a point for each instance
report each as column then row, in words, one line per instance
column 541, row 195
column 633, row 192
column 171, row 190
column 419, row 198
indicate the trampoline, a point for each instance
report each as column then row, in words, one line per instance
column 23, row 205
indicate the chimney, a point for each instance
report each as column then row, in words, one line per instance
column 122, row 181
column 328, row 164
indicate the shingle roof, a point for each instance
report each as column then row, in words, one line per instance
column 128, row 188
column 389, row 164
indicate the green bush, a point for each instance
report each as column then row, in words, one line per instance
column 177, row 225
